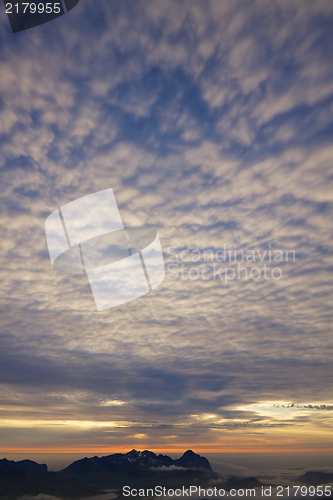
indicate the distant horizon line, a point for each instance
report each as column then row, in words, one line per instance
column 181, row 449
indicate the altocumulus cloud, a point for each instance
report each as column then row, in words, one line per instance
column 211, row 121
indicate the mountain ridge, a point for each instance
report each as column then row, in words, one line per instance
column 28, row 466
column 137, row 467
column 90, row 476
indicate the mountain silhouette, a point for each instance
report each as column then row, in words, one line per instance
column 139, row 468
column 17, row 482
column 316, row 477
column 89, row 476
column 191, row 460
column 28, row 466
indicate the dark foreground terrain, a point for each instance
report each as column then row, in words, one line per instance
column 92, row 476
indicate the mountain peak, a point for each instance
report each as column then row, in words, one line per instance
column 191, row 460
column 28, row 466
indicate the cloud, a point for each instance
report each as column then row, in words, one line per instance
column 308, row 407
column 226, row 469
column 40, row 497
column 325, row 470
column 212, row 123
column 168, row 469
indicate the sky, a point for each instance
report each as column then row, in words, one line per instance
column 212, row 122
